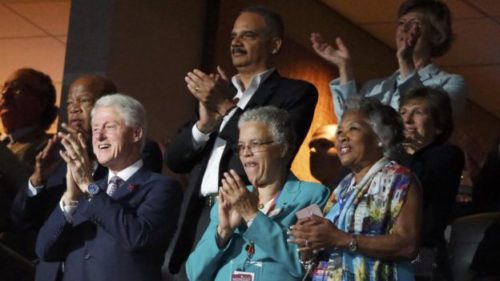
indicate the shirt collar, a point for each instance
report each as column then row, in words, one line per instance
column 245, row 96
column 126, row 173
column 428, row 70
column 257, row 79
column 19, row 134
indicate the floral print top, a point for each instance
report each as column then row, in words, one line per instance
column 370, row 208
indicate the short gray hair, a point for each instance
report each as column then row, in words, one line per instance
column 130, row 109
column 275, row 119
column 385, row 122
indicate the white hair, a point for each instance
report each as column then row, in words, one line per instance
column 130, row 109
column 274, row 118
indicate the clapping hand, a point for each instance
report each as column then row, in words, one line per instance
column 75, row 131
column 315, row 233
column 337, row 55
column 77, row 159
column 235, row 192
column 229, row 219
column 214, row 95
column 46, row 162
column 406, row 42
column 72, row 193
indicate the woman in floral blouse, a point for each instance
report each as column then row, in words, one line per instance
column 372, row 230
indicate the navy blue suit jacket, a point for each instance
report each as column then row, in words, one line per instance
column 120, row 238
column 29, row 213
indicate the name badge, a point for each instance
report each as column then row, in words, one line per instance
column 242, row 276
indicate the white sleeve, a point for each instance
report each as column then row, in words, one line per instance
column 199, row 138
column 340, row 93
column 32, row 190
column 68, row 210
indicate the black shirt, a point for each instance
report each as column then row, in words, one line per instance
column 438, row 167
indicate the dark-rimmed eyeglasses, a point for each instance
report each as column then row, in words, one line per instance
column 253, row 146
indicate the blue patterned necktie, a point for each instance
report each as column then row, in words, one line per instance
column 114, row 184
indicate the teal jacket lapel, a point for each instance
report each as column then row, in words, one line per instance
column 288, row 194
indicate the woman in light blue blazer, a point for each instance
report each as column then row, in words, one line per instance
column 247, row 235
column 424, row 32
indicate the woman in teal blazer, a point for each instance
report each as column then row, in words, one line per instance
column 247, row 235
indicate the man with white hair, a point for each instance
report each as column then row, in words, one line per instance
column 38, row 196
column 117, row 228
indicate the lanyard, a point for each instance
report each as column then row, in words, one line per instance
column 250, row 247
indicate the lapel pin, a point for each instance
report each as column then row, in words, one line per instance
column 131, row 187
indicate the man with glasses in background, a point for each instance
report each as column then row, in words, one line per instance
column 27, row 109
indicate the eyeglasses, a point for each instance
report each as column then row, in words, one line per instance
column 253, row 146
column 9, row 90
column 15, row 90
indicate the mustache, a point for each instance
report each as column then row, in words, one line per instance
column 240, row 50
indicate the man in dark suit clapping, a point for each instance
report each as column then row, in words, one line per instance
column 204, row 147
column 117, row 228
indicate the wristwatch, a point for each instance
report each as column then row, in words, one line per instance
column 93, row 189
column 353, row 244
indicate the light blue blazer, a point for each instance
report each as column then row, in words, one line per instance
column 390, row 90
column 279, row 259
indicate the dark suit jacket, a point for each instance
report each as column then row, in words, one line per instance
column 16, row 163
column 13, row 173
column 297, row 97
column 27, row 147
column 29, row 213
column 119, row 238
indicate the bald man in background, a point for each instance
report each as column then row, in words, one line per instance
column 27, row 109
column 42, row 193
column 324, row 162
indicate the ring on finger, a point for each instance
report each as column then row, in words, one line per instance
column 196, row 88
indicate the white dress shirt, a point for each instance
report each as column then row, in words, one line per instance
column 210, row 182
